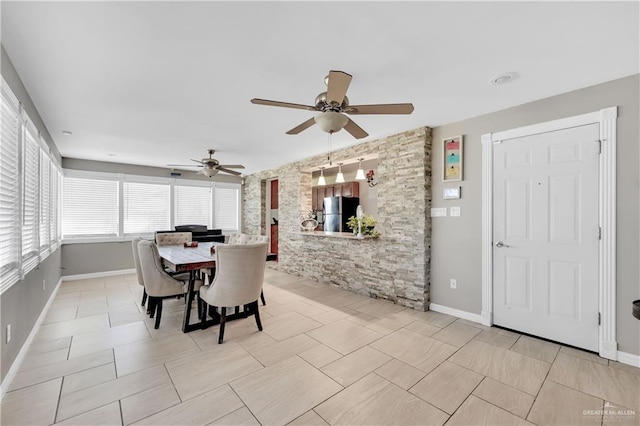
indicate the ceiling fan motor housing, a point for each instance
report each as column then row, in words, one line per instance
column 324, row 106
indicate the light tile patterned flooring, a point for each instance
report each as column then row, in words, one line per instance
column 325, row 356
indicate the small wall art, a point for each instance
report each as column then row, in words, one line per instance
column 452, row 159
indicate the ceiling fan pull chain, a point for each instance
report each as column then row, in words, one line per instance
column 329, row 153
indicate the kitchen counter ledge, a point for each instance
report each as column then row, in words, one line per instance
column 343, row 235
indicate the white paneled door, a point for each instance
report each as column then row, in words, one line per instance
column 545, row 235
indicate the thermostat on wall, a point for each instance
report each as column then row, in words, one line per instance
column 451, row 193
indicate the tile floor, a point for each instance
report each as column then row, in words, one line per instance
column 325, row 356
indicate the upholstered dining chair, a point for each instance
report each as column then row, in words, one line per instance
column 136, row 261
column 234, row 238
column 256, row 239
column 240, row 238
column 158, row 284
column 238, row 281
column 173, row 238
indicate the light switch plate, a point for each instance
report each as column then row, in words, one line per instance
column 438, row 212
column 451, row 193
column 454, row 211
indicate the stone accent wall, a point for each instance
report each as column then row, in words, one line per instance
column 397, row 265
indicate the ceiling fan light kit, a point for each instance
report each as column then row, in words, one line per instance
column 333, row 104
column 330, row 121
column 209, row 172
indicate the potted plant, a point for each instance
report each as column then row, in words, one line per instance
column 368, row 225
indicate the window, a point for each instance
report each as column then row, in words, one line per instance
column 90, row 207
column 112, row 207
column 146, row 208
column 227, row 204
column 29, row 193
column 9, row 190
column 192, row 205
column 30, row 206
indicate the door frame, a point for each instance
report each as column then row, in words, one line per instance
column 606, row 118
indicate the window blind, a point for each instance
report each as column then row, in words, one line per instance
column 30, row 205
column 54, row 207
column 9, row 190
column 45, row 204
column 147, row 207
column 89, row 208
column 192, row 205
column 226, row 208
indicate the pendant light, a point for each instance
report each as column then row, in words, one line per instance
column 340, row 176
column 360, row 173
column 321, row 181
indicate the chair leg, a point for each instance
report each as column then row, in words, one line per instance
column 262, row 298
column 151, row 306
column 144, row 296
column 158, row 313
column 199, row 305
column 257, row 315
column 202, row 311
column 223, row 315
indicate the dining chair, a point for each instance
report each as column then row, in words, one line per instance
column 239, row 238
column 256, row 239
column 158, row 284
column 238, row 281
column 136, row 261
column 173, row 238
column 234, row 238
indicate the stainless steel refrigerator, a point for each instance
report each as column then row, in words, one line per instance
column 337, row 211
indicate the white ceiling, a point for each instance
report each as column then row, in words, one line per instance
column 153, row 83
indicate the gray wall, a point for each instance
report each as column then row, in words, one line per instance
column 22, row 304
column 89, row 258
column 456, row 250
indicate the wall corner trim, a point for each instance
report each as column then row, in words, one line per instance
column 27, row 343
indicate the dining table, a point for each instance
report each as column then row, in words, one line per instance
column 184, row 258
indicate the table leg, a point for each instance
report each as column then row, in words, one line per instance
column 186, row 327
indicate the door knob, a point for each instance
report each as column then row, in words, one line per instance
column 501, row 244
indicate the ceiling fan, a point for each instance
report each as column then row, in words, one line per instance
column 211, row 166
column 332, row 105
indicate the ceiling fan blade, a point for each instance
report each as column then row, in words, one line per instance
column 355, row 130
column 231, row 172
column 231, row 166
column 380, row 109
column 282, row 104
column 300, row 127
column 197, row 161
column 337, row 86
column 183, row 165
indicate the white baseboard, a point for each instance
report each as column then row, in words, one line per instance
column 98, row 275
column 456, row 313
column 629, row 359
column 27, row 343
column 623, row 357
